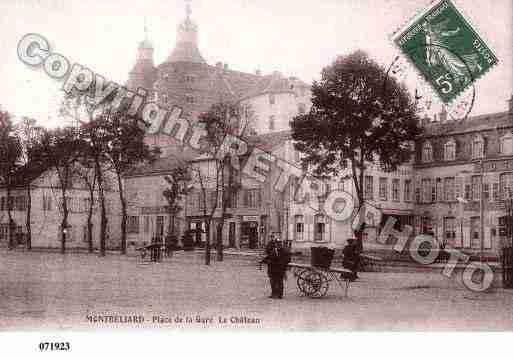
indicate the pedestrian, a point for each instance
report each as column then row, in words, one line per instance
column 277, row 259
column 351, row 258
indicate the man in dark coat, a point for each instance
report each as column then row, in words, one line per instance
column 277, row 258
column 351, row 258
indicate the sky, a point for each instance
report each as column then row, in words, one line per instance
column 295, row 37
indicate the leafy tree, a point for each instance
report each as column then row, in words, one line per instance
column 10, row 162
column 174, row 194
column 222, row 119
column 125, row 148
column 359, row 115
column 30, row 135
column 59, row 150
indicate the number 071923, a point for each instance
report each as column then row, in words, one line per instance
column 54, row 346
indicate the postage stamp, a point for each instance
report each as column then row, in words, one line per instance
column 446, row 49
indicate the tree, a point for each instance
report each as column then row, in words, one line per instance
column 124, row 148
column 359, row 115
column 177, row 181
column 60, row 149
column 30, row 135
column 95, row 139
column 10, row 162
column 221, row 120
column 87, row 172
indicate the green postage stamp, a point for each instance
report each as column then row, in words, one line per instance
column 445, row 48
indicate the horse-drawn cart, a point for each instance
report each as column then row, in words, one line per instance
column 314, row 281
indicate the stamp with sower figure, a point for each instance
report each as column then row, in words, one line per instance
column 447, row 51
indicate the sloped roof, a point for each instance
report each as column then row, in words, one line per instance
column 186, row 52
column 274, row 83
column 162, row 165
column 471, row 124
column 270, row 141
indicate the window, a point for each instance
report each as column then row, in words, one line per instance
column 340, row 185
column 189, row 78
column 383, row 188
column 496, row 192
column 4, row 231
column 132, row 225
column 467, row 191
column 427, row 152
column 147, row 224
column 474, row 232
column 449, row 189
column 252, row 198
column 450, row 150
column 300, row 228
column 369, row 187
column 486, row 191
column 439, row 190
column 449, row 228
column 301, row 108
column 47, row 202
column 232, row 199
column 272, row 123
column 426, row 190
column 272, row 99
column 478, row 147
column 395, row 189
column 213, row 199
column 407, row 190
column 506, row 144
column 506, row 185
column 320, row 228
column 476, row 188
column 189, row 99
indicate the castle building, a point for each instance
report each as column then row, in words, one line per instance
column 186, row 80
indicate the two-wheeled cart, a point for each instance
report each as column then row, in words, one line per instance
column 313, row 281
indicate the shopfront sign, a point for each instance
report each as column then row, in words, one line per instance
column 250, row 218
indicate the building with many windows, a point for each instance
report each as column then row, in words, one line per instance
column 46, row 212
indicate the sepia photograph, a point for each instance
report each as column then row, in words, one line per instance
column 256, row 167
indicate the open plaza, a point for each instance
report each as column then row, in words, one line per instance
column 80, row 291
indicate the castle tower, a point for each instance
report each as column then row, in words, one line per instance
column 143, row 73
column 186, row 49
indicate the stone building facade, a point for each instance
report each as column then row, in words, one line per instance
column 46, row 213
column 462, row 173
column 186, row 80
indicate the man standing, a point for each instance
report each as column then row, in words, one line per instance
column 351, row 258
column 277, row 258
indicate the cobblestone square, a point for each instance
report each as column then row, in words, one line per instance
column 43, row 291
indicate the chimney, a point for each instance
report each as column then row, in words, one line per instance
column 258, row 72
column 443, row 115
column 219, row 64
column 511, row 104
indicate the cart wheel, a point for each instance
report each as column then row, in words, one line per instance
column 303, row 282
column 318, row 283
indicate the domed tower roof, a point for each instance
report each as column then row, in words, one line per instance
column 186, row 49
column 143, row 72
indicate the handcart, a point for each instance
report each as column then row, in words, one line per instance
column 314, row 281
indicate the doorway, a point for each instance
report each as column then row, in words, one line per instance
column 159, row 235
column 231, row 234
column 249, row 235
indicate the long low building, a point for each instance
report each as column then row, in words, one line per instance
column 46, row 213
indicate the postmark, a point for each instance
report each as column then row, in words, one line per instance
column 446, row 50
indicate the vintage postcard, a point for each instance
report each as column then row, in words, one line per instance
column 191, row 166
